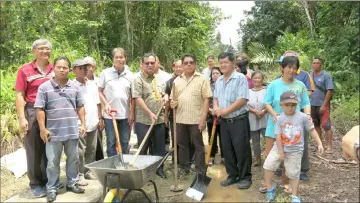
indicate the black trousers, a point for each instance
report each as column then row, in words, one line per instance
column 156, row 140
column 35, row 149
column 235, row 138
column 191, row 145
column 214, row 148
column 99, row 147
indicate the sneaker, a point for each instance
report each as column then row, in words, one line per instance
column 304, row 176
column 89, row 176
column 270, row 194
column 295, row 199
column 82, row 181
column 51, row 196
column 38, row 192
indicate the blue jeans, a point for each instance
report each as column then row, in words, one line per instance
column 53, row 153
column 124, row 132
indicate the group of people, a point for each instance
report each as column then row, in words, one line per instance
column 56, row 113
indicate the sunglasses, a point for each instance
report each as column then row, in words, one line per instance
column 149, row 63
column 189, row 62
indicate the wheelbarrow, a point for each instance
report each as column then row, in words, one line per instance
column 126, row 178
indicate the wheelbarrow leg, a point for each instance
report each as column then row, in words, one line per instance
column 104, row 187
column 156, row 191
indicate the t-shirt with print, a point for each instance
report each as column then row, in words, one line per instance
column 291, row 129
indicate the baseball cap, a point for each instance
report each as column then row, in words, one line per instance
column 288, row 97
column 79, row 62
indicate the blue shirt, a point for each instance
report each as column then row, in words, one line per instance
column 272, row 97
column 323, row 83
column 303, row 77
column 228, row 92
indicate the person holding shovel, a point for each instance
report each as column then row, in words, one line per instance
column 230, row 103
column 88, row 143
column 191, row 98
column 115, row 94
column 149, row 97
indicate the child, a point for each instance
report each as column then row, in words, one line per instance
column 289, row 145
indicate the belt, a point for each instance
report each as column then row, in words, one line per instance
column 233, row 119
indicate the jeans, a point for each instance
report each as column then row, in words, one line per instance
column 53, row 153
column 124, row 136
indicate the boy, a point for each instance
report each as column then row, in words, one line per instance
column 59, row 101
column 289, row 145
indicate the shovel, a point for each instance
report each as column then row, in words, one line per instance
column 133, row 160
column 198, row 187
column 119, row 163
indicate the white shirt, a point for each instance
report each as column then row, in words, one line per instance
column 91, row 100
column 206, row 72
column 162, row 77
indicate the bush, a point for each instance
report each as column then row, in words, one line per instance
column 345, row 114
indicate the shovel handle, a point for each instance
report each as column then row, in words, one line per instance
column 113, row 112
column 133, row 160
column 211, row 140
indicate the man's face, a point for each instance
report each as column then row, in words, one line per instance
column 42, row 52
column 90, row 70
column 61, row 69
column 149, row 65
column 119, row 60
column 316, row 65
column 226, row 66
column 211, row 62
column 178, row 68
column 189, row 65
column 289, row 108
column 80, row 72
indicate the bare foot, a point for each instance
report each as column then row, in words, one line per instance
column 287, row 189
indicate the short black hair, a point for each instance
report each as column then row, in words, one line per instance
column 242, row 64
column 318, row 58
column 211, row 56
column 188, row 55
column 229, row 55
column 290, row 60
column 62, row 58
column 147, row 55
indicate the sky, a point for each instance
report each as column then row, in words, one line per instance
column 229, row 26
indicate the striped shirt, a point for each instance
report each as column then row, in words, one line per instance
column 227, row 92
column 60, row 105
column 190, row 95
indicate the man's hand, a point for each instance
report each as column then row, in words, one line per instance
column 320, row 149
column 82, row 130
column 282, row 156
column 101, row 125
column 212, row 112
column 166, row 120
column 131, row 119
column 202, row 126
column 152, row 116
column 107, row 109
column 322, row 109
column 220, row 112
column 24, row 125
column 44, row 134
column 173, row 104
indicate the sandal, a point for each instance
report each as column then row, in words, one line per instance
column 270, row 194
column 295, row 199
column 263, row 189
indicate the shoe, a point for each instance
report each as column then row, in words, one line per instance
column 304, row 176
column 51, row 196
column 229, row 181
column 75, row 189
column 160, row 172
column 295, row 199
column 244, row 184
column 60, row 186
column 38, row 192
column 82, row 181
column 183, row 172
column 89, row 176
column 257, row 162
column 270, row 194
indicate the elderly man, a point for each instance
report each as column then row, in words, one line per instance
column 211, row 63
column 149, row 96
column 230, row 103
column 191, row 98
column 115, row 93
column 29, row 77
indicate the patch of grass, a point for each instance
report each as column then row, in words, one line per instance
column 281, row 197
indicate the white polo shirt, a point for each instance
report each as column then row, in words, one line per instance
column 117, row 90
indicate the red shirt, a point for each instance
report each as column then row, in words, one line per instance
column 29, row 78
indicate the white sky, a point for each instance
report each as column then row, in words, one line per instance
column 229, row 26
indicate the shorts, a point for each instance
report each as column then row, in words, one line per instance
column 319, row 119
column 292, row 162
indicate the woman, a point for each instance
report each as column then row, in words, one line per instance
column 215, row 73
column 240, row 67
column 289, row 65
column 257, row 115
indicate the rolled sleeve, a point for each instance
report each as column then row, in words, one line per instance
column 40, row 101
column 21, row 84
column 136, row 88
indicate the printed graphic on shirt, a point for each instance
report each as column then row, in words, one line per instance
column 290, row 134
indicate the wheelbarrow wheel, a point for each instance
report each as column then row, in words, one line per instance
column 112, row 197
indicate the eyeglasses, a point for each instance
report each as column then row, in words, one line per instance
column 189, row 62
column 149, row 63
column 43, row 48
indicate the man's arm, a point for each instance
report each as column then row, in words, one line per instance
column 81, row 114
column 205, row 109
column 143, row 106
column 44, row 133
column 20, row 104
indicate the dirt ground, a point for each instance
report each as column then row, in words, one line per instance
column 329, row 182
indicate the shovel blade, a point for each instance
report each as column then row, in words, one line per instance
column 198, row 187
column 119, row 162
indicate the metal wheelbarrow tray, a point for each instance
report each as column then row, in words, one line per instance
column 131, row 179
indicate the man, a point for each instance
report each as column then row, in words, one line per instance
column 169, row 117
column 87, row 144
column 91, row 67
column 149, row 98
column 242, row 57
column 161, row 76
column 211, row 63
column 115, row 93
column 230, row 103
column 320, row 101
column 191, row 98
column 29, row 77
column 59, row 104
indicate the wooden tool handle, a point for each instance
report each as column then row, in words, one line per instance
column 211, row 141
column 132, row 162
column 175, row 140
column 117, row 137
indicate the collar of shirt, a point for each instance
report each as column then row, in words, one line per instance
column 146, row 76
column 122, row 73
column 57, row 85
column 195, row 74
column 48, row 69
column 79, row 83
column 233, row 75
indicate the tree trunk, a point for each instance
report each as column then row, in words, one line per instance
column 306, row 8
